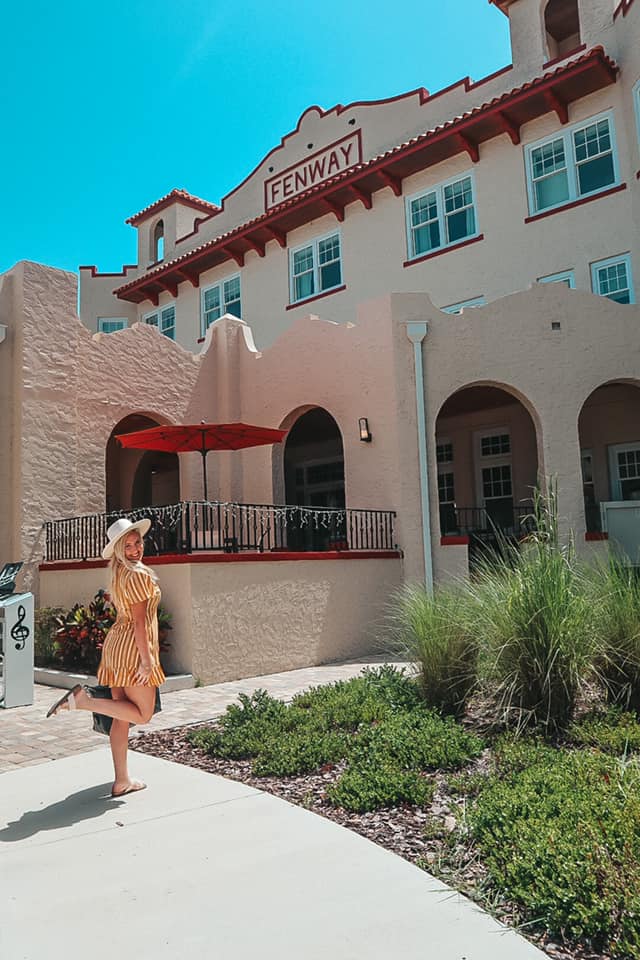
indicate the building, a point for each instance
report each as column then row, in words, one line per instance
column 451, row 278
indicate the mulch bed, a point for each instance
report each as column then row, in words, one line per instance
column 429, row 838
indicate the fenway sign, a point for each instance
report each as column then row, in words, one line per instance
column 327, row 163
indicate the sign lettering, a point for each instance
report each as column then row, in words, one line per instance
column 334, row 159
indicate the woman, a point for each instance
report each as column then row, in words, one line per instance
column 130, row 662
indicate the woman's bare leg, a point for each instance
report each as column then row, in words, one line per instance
column 135, row 707
column 119, row 739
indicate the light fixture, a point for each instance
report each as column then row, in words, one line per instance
column 365, row 433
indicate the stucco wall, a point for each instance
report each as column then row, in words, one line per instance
column 233, row 620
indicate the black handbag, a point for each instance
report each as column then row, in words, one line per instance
column 102, row 724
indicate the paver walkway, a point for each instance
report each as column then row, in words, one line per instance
column 27, row 737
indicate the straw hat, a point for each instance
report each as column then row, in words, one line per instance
column 119, row 529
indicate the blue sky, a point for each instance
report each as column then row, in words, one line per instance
column 106, row 107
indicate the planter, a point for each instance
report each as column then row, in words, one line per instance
column 52, row 677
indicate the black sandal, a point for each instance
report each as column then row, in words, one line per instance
column 67, row 698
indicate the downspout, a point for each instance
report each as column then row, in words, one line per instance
column 416, row 332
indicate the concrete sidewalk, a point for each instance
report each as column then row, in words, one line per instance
column 197, row 866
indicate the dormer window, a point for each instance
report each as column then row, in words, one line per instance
column 157, row 244
column 562, row 25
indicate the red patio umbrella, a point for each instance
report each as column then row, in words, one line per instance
column 200, row 438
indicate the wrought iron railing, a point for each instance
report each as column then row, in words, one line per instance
column 194, row 526
column 482, row 523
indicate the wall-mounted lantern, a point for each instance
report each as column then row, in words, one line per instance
column 365, row 433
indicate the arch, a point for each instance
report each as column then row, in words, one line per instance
column 562, row 27
column 486, row 461
column 309, row 472
column 609, row 437
column 156, row 482
column 121, row 466
column 157, row 242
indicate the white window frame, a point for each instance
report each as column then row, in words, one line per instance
column 459, row 307
column 636, row 103
column 566, row 134
column 204, row 326
column 609, row 262
column 155, row 319
column 315, row 245
column 105, row 321
column 492, row 460
column 439, row 189
column 565, row 276
column 616, row 483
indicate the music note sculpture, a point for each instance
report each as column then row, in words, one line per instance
column 16, row 641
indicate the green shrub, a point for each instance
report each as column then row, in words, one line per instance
column 299, row 753
column 438, row 633
column 347, row 704
column 615, row 731
column 560, row 835
column 363, row 788
column 45, row 625
column 536, row 623
column 420, row 740
column 81, row 633
column 615, row 592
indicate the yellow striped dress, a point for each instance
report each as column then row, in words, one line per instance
column 120, row 656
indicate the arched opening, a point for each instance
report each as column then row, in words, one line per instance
column 157, row 242
column 487, row 462
column 609, row 432
column 139, row 478
column 157, row 480
column 314, row 477
column 562, row 26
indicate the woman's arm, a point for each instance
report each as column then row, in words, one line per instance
column 139, row 615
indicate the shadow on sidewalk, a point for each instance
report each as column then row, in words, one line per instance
column 83, row 805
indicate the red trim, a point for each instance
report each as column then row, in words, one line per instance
column 638, row 175
column 572, row 53
column 96, row 273
column 594, row 536
column 575, row 203
column 318, row 296
column 573, row 80
column 491, row 76
column 275, row 556
column 196, row 227
column 200, row 340
column 454, row 541
column 623, row 8
column 437, row 253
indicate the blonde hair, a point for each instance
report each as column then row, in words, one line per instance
column 119, row 565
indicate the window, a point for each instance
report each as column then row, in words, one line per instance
column 562, row 26
column 315, row 268
column 565, row 277
column 624, row 463
column 575, row 163
column 444, row 452
column 157, row 242
column 111, row 324
column 459, row 307
column 222, row 298
column 612, row 278
column 441, row 217
column 165, row 320
column 496, row 445
column 636, row 100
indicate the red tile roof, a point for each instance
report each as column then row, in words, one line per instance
column 504, row 114
column 176, row 196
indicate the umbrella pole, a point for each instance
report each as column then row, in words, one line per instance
column 204, row 472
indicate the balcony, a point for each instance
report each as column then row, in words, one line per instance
column 191, row 527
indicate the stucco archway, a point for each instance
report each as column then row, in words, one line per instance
column 310, row 470
column 609, row 434
column 128, row 473
column 486, row 455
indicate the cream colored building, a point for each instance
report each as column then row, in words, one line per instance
column 455, row 275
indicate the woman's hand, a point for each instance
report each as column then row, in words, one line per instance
column 145, row 668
